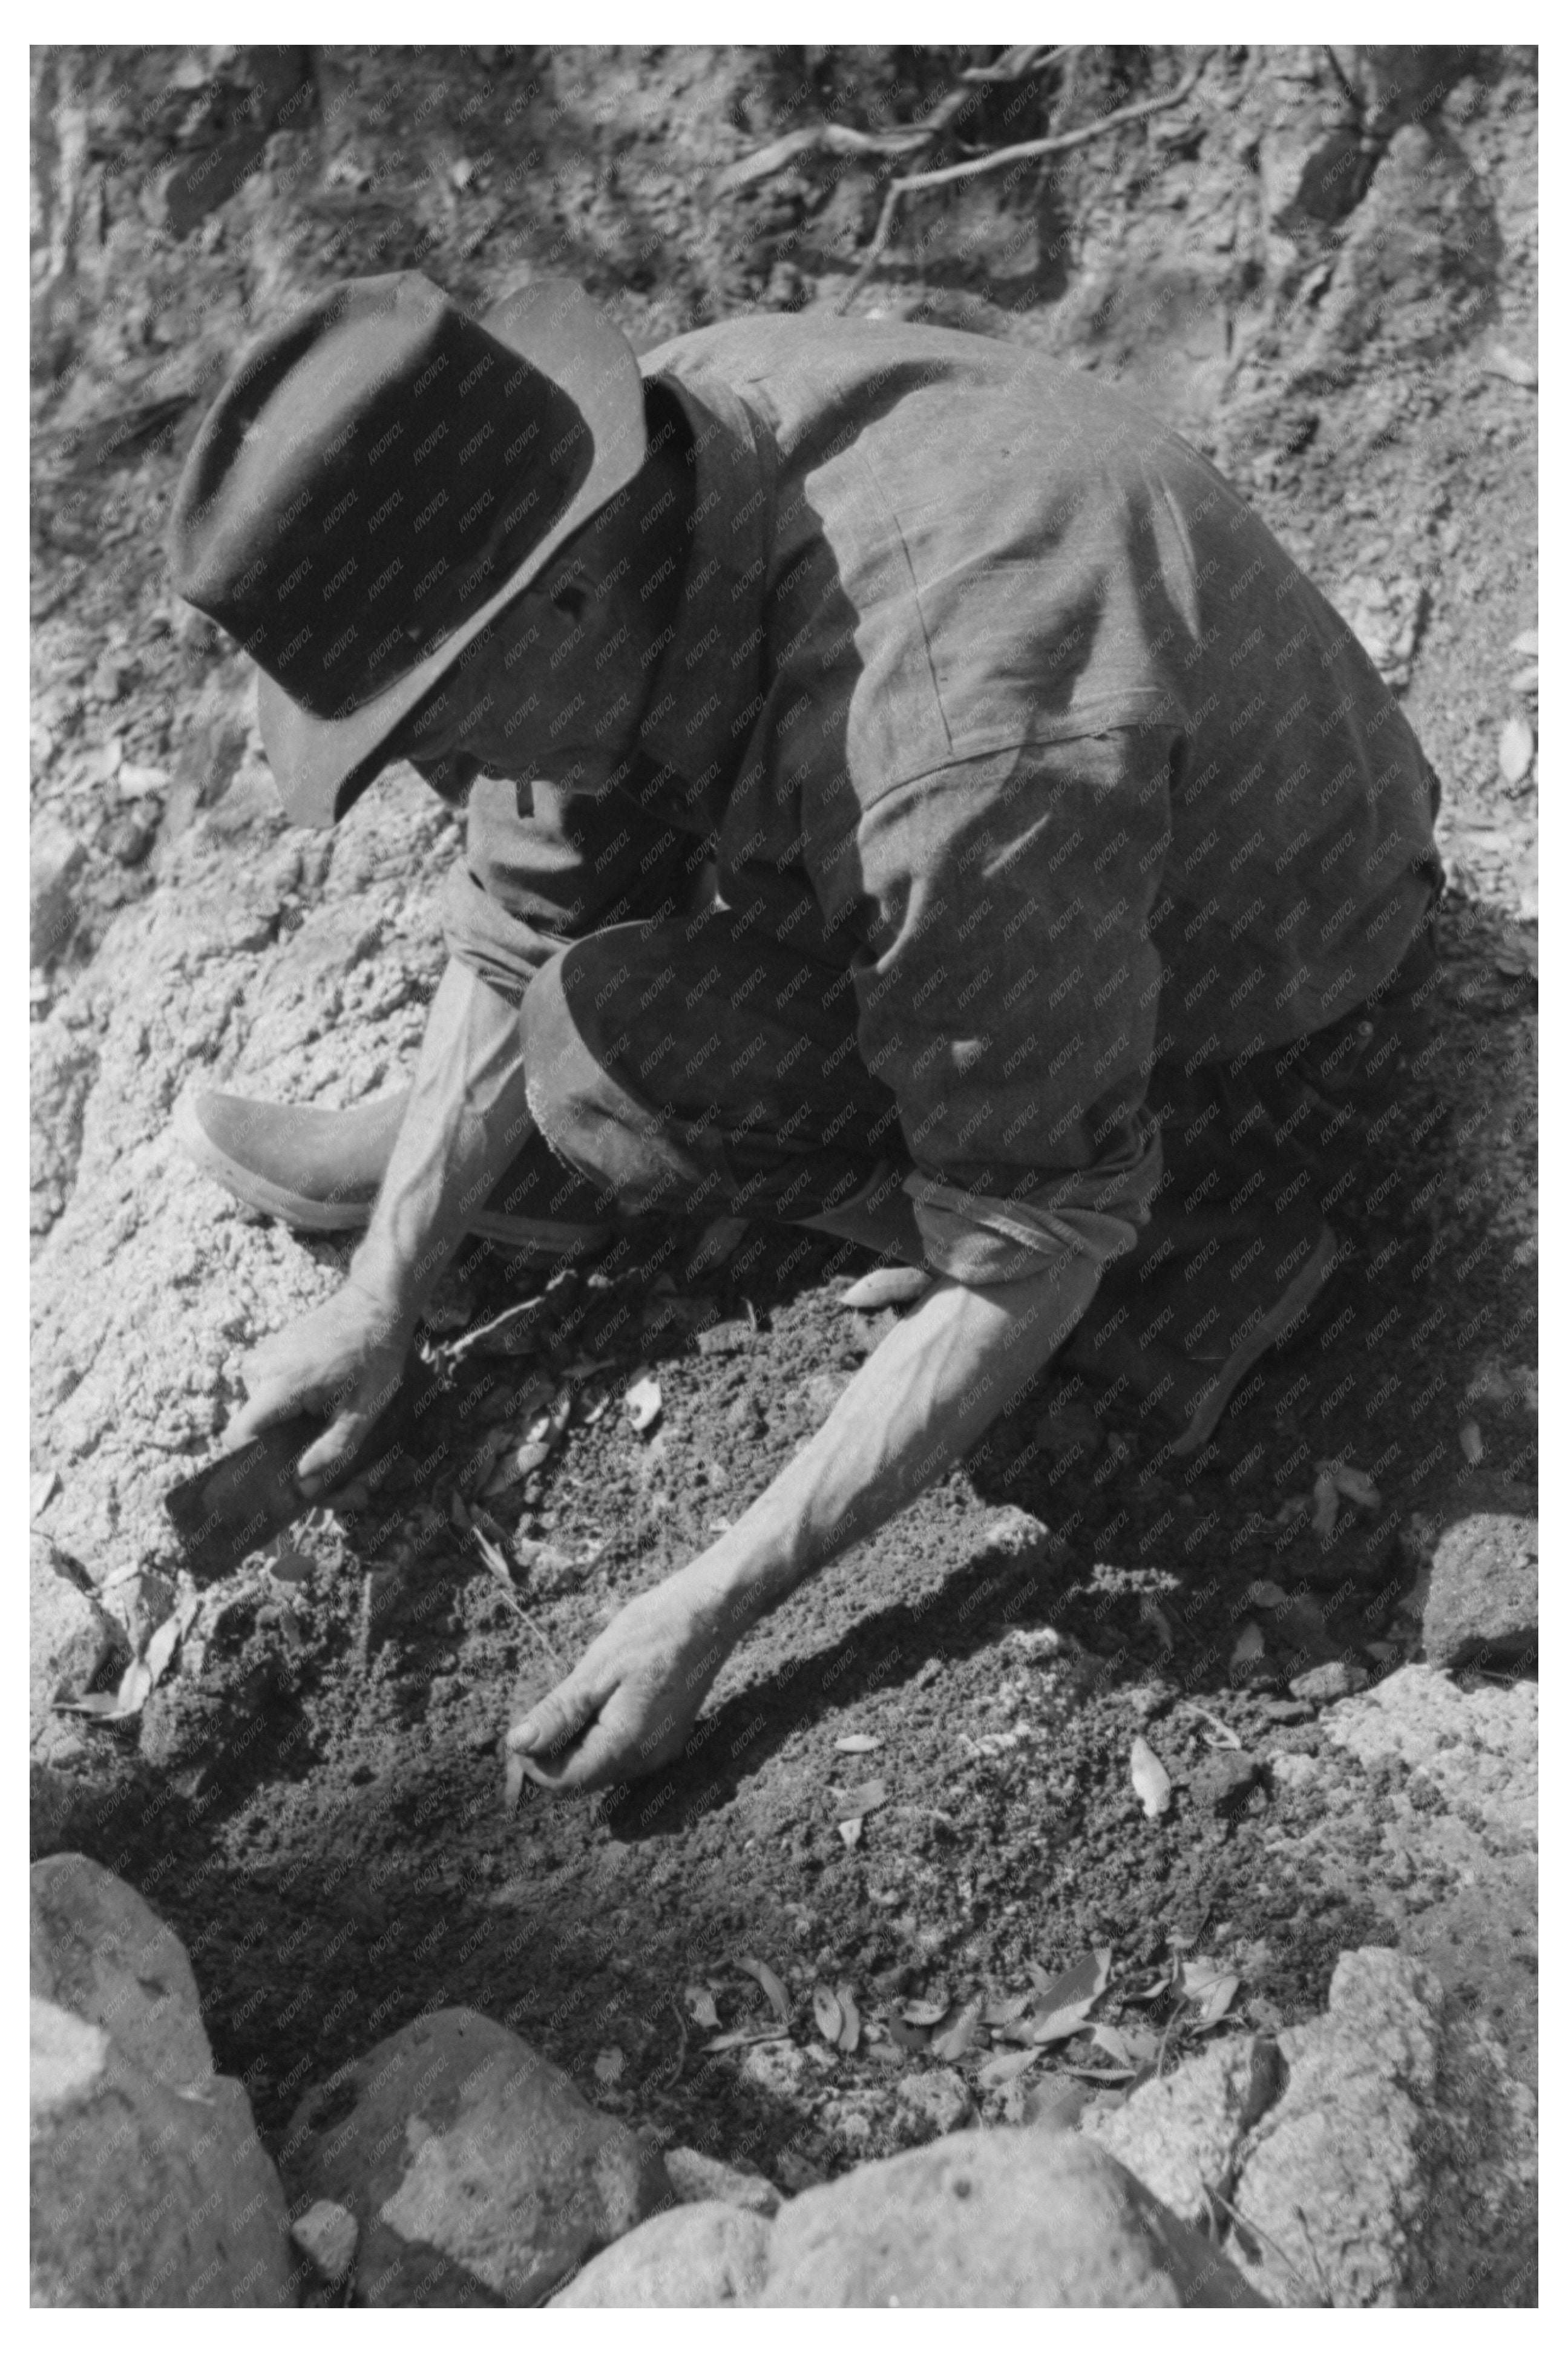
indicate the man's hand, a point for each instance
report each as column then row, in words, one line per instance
column 629, row 1703
column 345, row 1359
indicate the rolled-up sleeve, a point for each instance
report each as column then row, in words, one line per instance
column 1009, row 995
column 544, row 866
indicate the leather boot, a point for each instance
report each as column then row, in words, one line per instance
column 1173, row 1332
column 319, row 1171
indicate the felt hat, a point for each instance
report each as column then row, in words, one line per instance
column 380, row 477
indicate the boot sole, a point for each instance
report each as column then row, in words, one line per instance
column 542, row 1237
column 1274, row 1330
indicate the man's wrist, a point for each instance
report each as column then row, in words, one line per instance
column 388, row 1294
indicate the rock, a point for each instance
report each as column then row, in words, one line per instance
column 329, row 2235
column 934, row 2103
column 1224, row 1782
column 700, row 2254
column 70, row 1641
column 1478, row 1747
column 1396, row 2165
column 477, row 2172
column 1335, row 1679
column 999, row 2218
column 694, row 2176
column 143, row 2195
column 54, row 858
column 98, row 1951
column 1477, row 1593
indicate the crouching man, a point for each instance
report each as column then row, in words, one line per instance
column 1075, row 871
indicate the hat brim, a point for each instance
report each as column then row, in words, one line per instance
column 322, row 765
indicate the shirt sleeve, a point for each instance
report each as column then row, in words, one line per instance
column 546, row 865
column 1009, row 995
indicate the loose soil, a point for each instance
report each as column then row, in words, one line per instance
column 314, row 1799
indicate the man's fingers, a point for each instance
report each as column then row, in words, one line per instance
column 263, row 1411
column 554, row 1721
column 325, row 1463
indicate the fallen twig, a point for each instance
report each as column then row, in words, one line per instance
column 838, row 139
column 1031, row 149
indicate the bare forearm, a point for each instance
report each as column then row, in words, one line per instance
column 931, row 1388
column 467, row 1119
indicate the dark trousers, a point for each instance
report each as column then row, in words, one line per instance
column 690, row 1071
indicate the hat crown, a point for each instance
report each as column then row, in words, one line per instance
column 365, row 481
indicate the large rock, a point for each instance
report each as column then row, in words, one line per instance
column 1395, row 2166
column 55, row 860
column 477, row 2172
column 149, row 2183
column 1478, row 1592
column 143, row 2195
column 70, row 1641
column 706, row 2253
column 98, row 1951
column 1002, row 2218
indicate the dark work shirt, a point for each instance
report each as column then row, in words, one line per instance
column 987, row 686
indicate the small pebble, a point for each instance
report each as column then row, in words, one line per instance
column 1336, row 1679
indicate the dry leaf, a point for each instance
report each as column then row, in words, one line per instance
column 857, row 1744
column 1263, row 1594
column 1009, row 2010
column 160, row 1649
column 1516, row 750
column 1472, row 1444
column 1325, row 1504
column 778, row 2001
column 1526, row 643
column 1005, row 2068
column 41, row 1491
column 849, row 1831
column 1248, row 1646
column 886, row 1286
column 701, row 2005
column 610, row 2065
column 1152, row 1615
column 1356, row 1487
column 828, row 2016
column 511, row 1787
column 1151, row 1782
column 643, row 1403
column 1085, row 1981
column 1114, row 2044
column 746, row 2035
column 113, row 1707
column 1099, row 2074
column 1060, row 2025
column 925, row 2013
column 849, row 2031
column 1519, row 956
column 1217, row 1998
column 963, row 2034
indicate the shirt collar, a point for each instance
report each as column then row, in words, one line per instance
column 707, row 690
